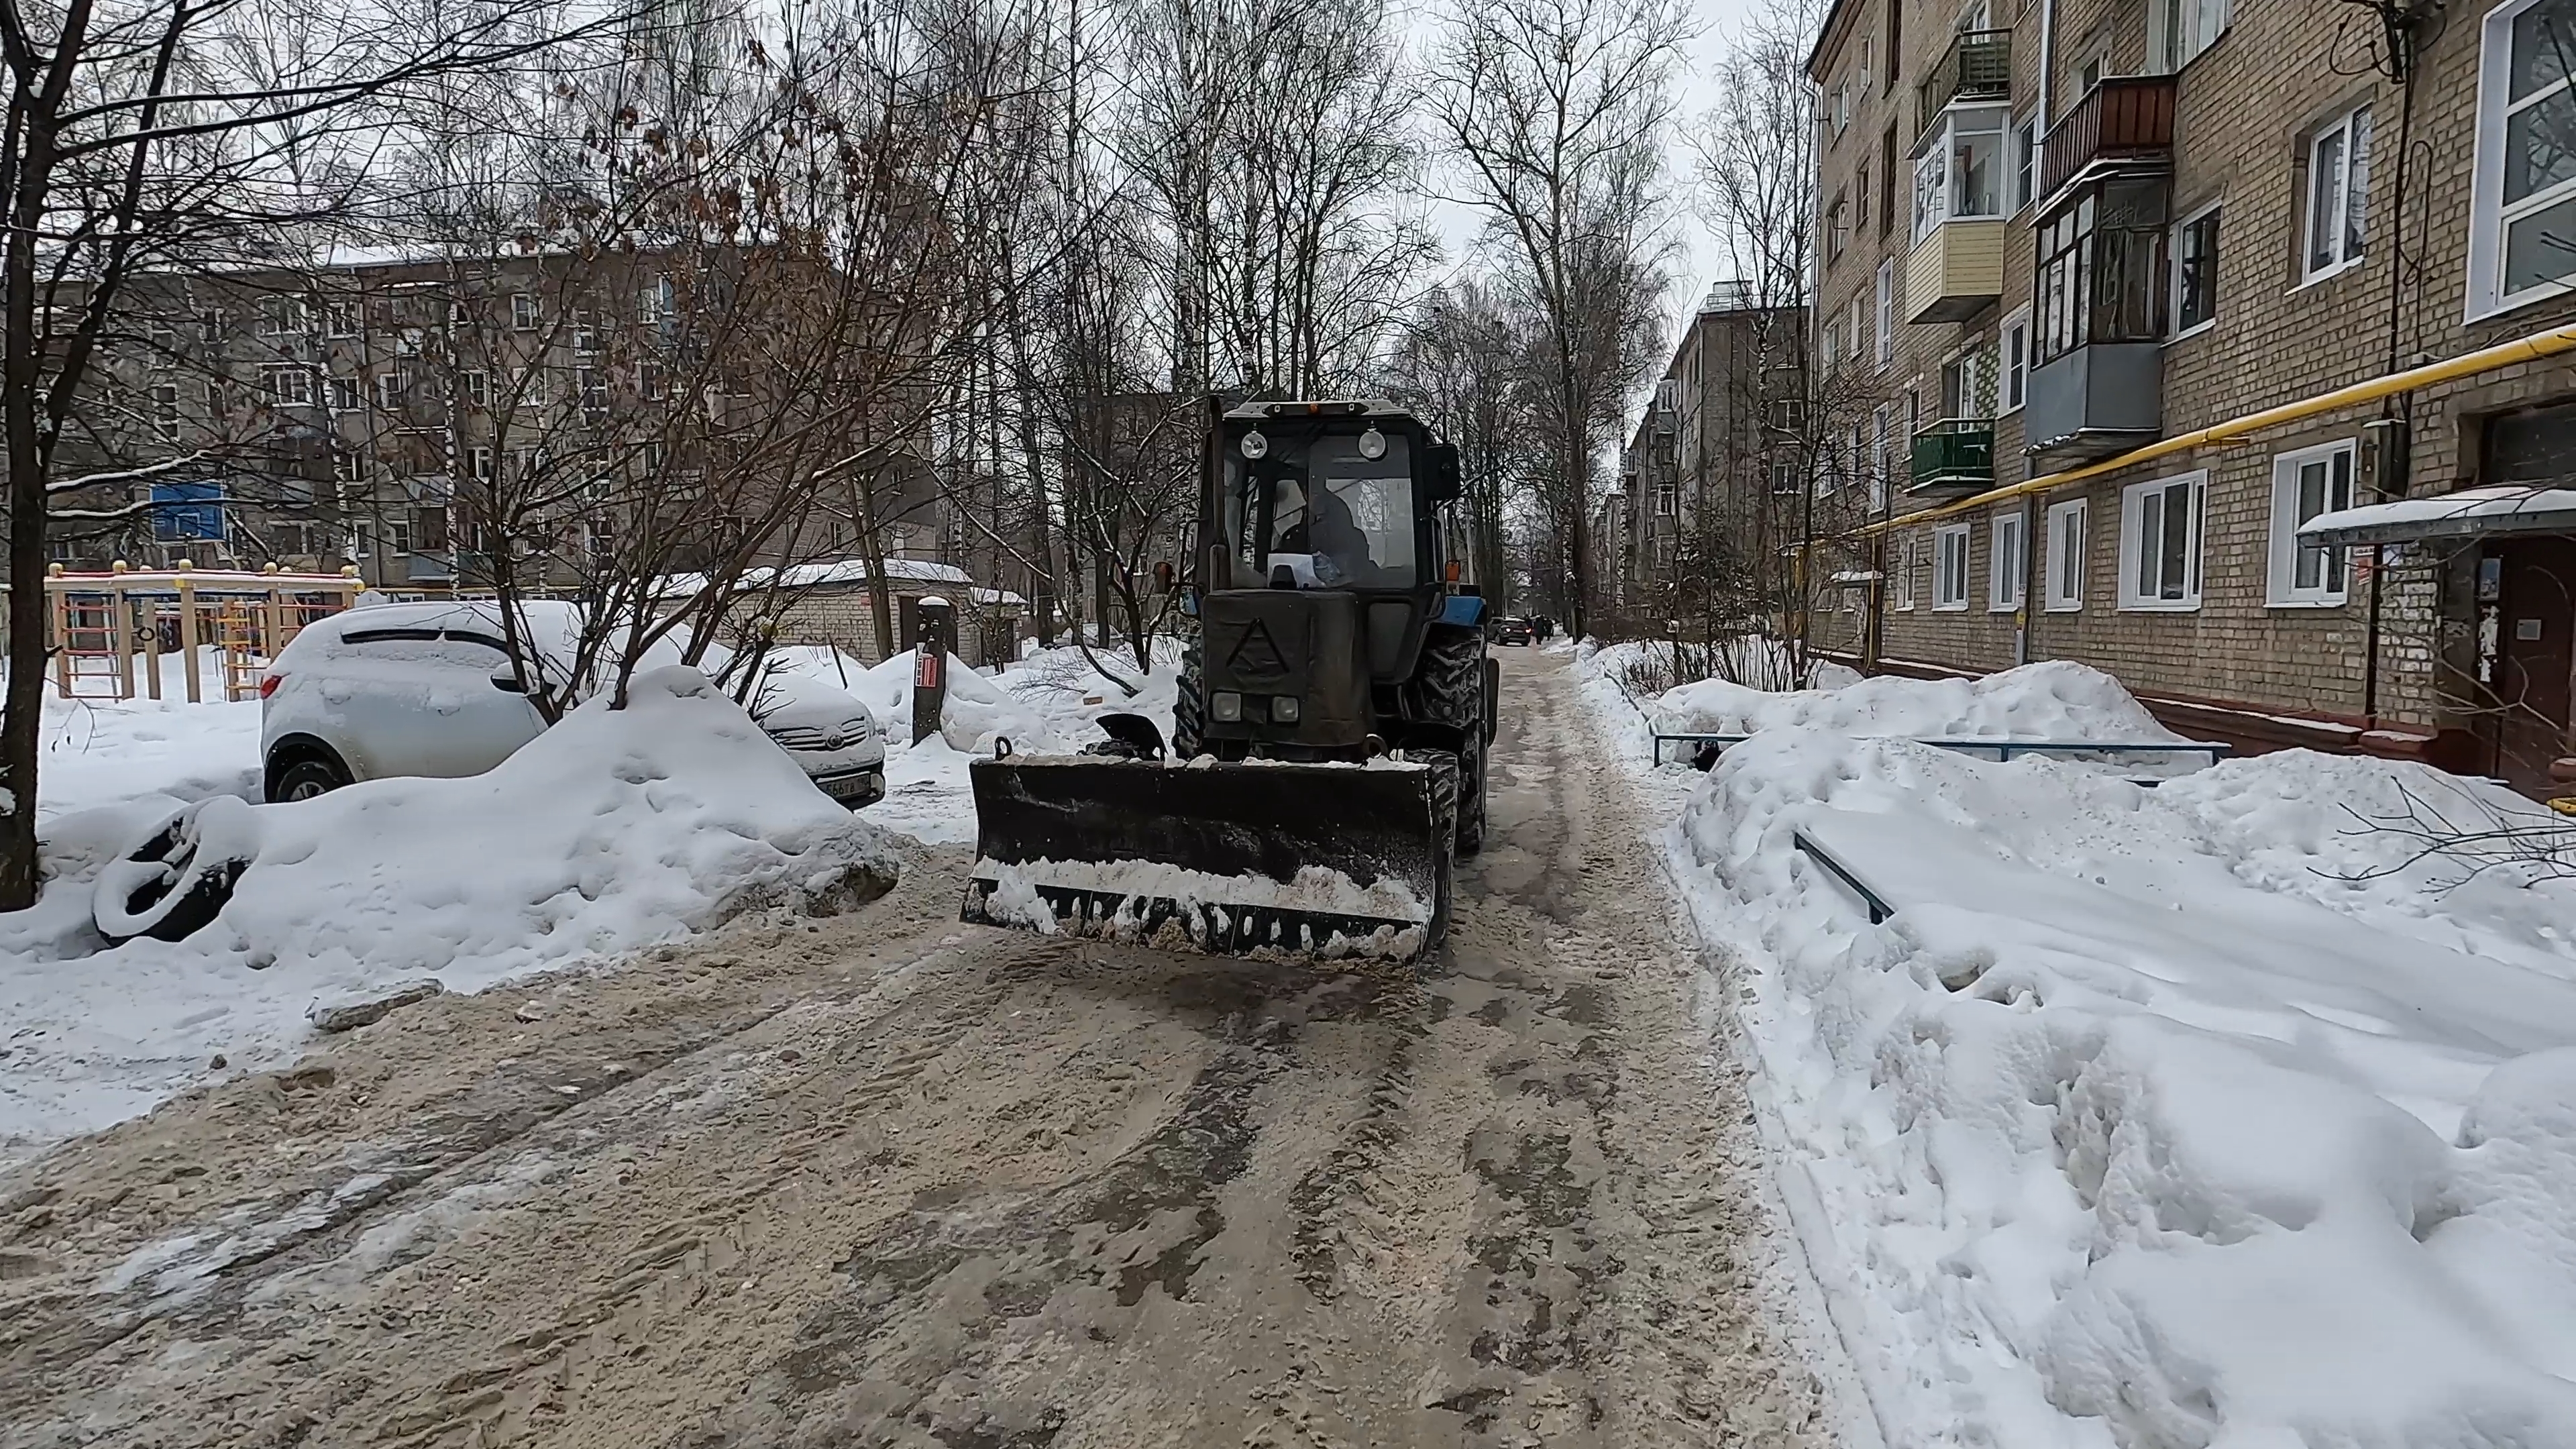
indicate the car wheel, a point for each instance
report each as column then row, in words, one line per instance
column 306, row 776
column 178, row 875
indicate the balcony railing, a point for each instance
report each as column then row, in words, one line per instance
column 2123, row 118
column 1955, row 453
column 1977, row 66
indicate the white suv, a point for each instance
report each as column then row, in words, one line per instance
column 427, row 689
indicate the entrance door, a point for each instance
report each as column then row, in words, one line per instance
column 2535, row 652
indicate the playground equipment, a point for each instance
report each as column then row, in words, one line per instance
column 103, row 625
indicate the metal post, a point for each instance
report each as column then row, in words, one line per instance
column 188, row 637
column 935, row 638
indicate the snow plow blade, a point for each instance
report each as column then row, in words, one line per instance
column 1330, row 861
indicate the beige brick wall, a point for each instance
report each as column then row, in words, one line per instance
column 2246, row 107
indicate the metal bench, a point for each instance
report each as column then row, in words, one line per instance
column 2212, row 750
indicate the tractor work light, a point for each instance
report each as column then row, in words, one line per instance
column 1372, row 445
column 1283, row 708
column 1255, row 445
column 1226, row 705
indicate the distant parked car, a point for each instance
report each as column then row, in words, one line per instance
column 427, row 689
column 1513, row 630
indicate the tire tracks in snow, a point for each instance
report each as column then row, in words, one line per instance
column 889, row 1180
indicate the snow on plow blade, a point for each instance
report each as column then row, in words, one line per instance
column 1241, row 859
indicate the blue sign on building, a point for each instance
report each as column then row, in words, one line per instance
column 183, row 512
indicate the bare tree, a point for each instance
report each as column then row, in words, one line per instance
column 1467, row 366
column 1556, row 110
column 1769, row 558
column 151, row 134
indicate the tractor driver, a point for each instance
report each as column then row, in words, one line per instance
column 1319, row 527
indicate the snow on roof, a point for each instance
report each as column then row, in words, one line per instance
column 1850, row 577
column 210, row 580
column 825, row 573
column 2512, row 508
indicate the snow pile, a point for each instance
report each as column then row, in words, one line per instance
column 2056, row 700
column 612, row 831
column 1314, row 888
column 1048, row 703
column 2206, row 1115
column 1154, row 898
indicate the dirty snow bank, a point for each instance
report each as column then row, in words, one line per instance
column 607, row 833
column 1045, row 704
column 2205, row 1115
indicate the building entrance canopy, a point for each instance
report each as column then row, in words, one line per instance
column 2469, row 513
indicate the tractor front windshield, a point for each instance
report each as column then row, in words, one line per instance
column 1320, row 508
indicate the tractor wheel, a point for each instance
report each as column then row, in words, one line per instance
column 1187, row 728
column 1471, row 793
column 1449, row 689
column 1445, row 799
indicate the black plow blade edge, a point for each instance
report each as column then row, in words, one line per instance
column 1326, row 860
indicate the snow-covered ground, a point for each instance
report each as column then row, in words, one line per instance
column 1045, row 703
column 611, row 831
column 2213, row 1114
column 100, row 751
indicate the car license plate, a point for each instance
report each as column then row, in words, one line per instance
column 852, row 787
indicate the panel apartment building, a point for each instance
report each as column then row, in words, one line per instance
column 1708, row 492
column 345, row 412
column 2126, row 254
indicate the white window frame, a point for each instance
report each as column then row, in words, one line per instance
column 281, row 316
column 2021, row 149
column 2173, row 287
column 2133, row 511
column 2062, row 580
column 345, row 394
column 2283, row 590
column 1884, row 299
column 287, row 385
column 2179, row 30
column 2352, row 166
column 2005, row 562
column 2012, row 379
column 1906, row 549
column 2488, row 221
column 1949, row 574
column 525, row 314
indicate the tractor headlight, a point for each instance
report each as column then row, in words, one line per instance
column 1283, row 708
column 1372, row 445
column 1255, row 445
column 1226, row 705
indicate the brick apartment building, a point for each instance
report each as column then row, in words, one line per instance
column 340, row 414
column 2065, row 233
column 1708, row 482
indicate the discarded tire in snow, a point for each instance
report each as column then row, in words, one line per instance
column 179, row 874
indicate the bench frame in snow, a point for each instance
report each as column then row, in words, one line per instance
column 2003, row 749
column 1879, row 910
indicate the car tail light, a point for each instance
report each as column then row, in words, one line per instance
column 268, row 684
